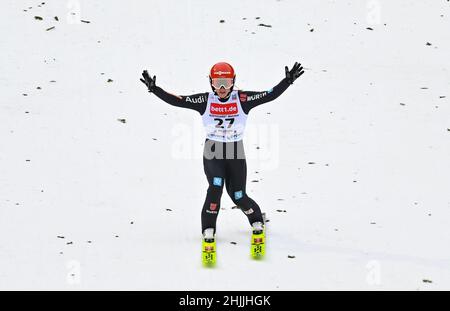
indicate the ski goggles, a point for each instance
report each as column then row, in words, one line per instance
column 226, row 83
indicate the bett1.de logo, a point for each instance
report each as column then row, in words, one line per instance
column 223, row 109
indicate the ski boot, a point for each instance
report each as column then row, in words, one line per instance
column 209, row 248
column 258, row 243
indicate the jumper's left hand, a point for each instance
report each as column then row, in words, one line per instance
column 294, row 73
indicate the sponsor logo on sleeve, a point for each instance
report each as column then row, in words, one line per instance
column 257, row 96
column 195, row 99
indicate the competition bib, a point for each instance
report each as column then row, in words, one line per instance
column 224, row 121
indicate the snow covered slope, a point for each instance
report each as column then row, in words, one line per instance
column 101, row 183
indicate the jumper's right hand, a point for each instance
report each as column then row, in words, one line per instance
column 148, row 81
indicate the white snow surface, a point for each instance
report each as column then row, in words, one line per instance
column 356, row 152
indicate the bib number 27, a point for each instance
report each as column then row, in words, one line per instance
column 221, row 121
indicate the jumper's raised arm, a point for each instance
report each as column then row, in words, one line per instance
column 196, row 102
column 222, row 79
column 251, row 99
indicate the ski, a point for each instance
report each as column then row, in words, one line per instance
column 209, row 253
column 258, row 245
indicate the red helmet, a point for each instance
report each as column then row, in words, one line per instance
column 222, row 75
column 222, row 70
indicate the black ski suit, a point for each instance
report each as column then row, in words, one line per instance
column 227, row 170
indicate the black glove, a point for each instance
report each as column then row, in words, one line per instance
column 148, row 81
column 294, row 73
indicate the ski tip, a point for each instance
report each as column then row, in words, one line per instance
column 209, row 265
column 208, row 260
